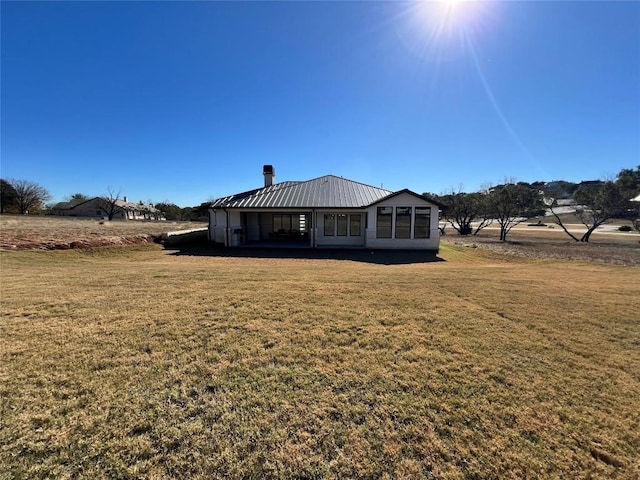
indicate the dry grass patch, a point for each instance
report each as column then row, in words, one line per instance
column 609, row 247
column 136, row 363
column 24, row 232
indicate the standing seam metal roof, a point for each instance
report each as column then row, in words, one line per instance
column 323, row 192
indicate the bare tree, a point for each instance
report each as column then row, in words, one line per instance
column 109, row 203
column 29, row 195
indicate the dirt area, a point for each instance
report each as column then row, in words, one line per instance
column 608, row 247
column 19, row 232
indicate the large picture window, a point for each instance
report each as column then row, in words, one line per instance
column 383, row 222
column 422, row 227
column 329, row 224
column 354, row 225
column 342, row 224
column 403, row 222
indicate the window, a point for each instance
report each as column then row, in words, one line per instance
column 329, row 224
column 354, row 226
column 403, row 222
column 289, row 223
column 342, row 225
column 383, row 222
column 281, row 223
column 422, row 227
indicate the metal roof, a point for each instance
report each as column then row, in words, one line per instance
column 323, row 192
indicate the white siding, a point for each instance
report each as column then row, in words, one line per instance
column 218, row 226
column 403, row 200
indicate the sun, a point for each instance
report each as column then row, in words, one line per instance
column 451, row 5
column 458, row 13
column 440, row 30
column 448, row 18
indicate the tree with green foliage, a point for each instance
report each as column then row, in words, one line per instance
column 171, row 211
column 78, row 198
column 29, row 195
column 8, row 196
column 200, row 213
column 558, row 189
column 462, row 209
column 628, row 180
column 511, row 204
column 598, row 203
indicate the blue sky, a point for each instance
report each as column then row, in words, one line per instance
column 185, row 101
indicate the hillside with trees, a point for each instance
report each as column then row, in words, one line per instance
column 594, row 203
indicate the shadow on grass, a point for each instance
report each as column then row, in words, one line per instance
column 380, row 257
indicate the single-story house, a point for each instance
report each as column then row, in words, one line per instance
column 328, row 211
column 98, row 207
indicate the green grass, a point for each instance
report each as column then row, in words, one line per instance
column 135, row 363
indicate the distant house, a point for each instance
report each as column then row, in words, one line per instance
column 566, row 202
column 94, row 207
column 327, row 211
column 637, row 220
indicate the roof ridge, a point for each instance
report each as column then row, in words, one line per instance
column 347, row 180
column 359, row 183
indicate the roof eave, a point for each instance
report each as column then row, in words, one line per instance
column 410, row 192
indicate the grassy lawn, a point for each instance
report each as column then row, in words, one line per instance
column 138, row 363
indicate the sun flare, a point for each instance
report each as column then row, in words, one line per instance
column 450, row 15
column 450, row 4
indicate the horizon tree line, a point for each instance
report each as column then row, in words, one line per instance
column 25, row 197
column 507, row 204
column 514, row 202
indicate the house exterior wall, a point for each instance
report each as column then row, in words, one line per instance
column 403, row 200
column 91, row 208
column 344, row 238
column 135, row 214
column 228, row 234
column 217, row 226
column 258, row 226
column 236, row 233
